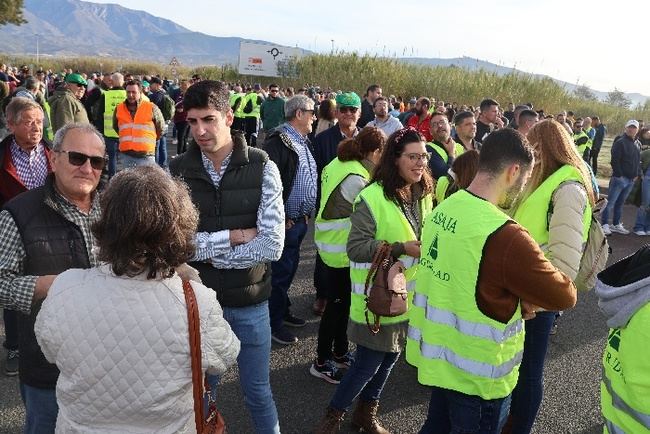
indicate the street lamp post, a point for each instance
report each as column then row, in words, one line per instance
column 37, row 50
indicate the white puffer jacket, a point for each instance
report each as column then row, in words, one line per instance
column 122, row 346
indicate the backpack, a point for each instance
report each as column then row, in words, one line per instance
column 168, row 107
column 596, row 250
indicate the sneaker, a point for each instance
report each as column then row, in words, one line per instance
column 293, row 321
column 11, row 367
column 619, row 229
column 343, row 362
column 641, row 233
column 327, row 371
column 283, row 336
column 606, row 229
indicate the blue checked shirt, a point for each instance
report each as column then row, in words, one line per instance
column 31, row 167
column 302, row 199
column 267, row 245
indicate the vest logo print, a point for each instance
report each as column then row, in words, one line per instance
column 447, row 223
column 611, row 355
column 433, row 249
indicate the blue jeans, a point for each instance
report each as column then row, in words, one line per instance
column 41, row 409
column 251, row 326
column 619, row 189
column 283, row 271
column 643, row 213
column 112, row 145
column 527, row 396
column 161, row 151
column 129, row 161
column 456, row 413
column 365, row 378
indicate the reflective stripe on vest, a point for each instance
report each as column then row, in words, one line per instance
column 473, row 367
column 331, row 236
column 450, row 341
column 111, row 99
column 619, row 404
column 139, row 134
column 532, row 213
column 391, row 226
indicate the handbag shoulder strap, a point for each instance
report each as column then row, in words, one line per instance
column 383, row 250
column 195, row 352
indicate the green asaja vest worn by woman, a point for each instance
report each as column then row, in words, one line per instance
column 532, row 213
column 450, row 341
column 331, row 236
column 392, row 227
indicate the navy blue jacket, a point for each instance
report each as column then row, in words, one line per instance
column 626, row 157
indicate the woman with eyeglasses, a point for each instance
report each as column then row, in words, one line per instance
column 390, row 209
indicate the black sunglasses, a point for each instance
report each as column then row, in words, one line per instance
column 79, row 159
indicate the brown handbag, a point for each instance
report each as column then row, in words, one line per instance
column 387, row 295
column 213, row 423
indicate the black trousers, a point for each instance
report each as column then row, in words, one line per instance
column 332, row 332
column 594, row 159
column 320, row 278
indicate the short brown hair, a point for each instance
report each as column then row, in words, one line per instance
column 148, row 223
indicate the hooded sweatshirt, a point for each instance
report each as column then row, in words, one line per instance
column 624, row 288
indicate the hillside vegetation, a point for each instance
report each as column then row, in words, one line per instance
column 345, row 71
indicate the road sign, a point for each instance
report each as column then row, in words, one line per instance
column 174, row 62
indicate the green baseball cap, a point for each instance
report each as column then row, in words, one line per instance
column 76, row 79
column 348, row 99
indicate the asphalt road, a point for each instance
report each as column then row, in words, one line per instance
column 572, row 373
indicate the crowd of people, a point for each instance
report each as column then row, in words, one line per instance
column 100, row 229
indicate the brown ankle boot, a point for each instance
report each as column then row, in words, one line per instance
column 331, row 422
column 364, row 418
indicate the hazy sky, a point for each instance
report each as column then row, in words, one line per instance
column 599, row 43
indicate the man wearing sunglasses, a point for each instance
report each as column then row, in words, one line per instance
column 43, row 232
column 348, row 111
column 65, row 104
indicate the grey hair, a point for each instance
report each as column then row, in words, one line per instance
column 117, row 79
column 18, row 105
column 32, row 83
column 57, row 143
column 295, row 103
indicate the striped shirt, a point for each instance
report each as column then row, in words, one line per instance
column 16, row 289
column 31, row 166
column 267, row 245
column 302, row 199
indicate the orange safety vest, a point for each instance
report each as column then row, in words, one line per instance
column 137, row 134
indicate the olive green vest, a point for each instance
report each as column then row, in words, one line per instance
column 450, row 341
column 533, row 211
column 331, row 236
column 112, row 98
column 624, row 392
column 391, row 226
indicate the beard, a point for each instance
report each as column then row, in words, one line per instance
column 513, row 192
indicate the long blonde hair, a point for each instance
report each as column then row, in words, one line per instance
column 553, row 149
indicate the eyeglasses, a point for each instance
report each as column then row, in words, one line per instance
column 413, row 157
column 348, row 110
column 440, row 123
column 79, row 159
column 311, row 112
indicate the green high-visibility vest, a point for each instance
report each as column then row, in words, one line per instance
column 391, row 226
column 450, row 341
column 583, row 147
column 112, row 98
column 591, row 141
column 239, row 113
column 442, row 184
column 458, row 148
column 331, row 236
column 252, row 97
column 532, row 213
column 49, row 133
column 625, row 389
column 233, row 99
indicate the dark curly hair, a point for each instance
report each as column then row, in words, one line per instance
column 148, row 223
column 386, row 172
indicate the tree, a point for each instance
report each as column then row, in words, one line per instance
column 618, row 99
column 11, row 12
column 583, row 91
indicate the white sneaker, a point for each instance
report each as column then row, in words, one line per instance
column 606, row 229
column 640, row 233
column 619, row 229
